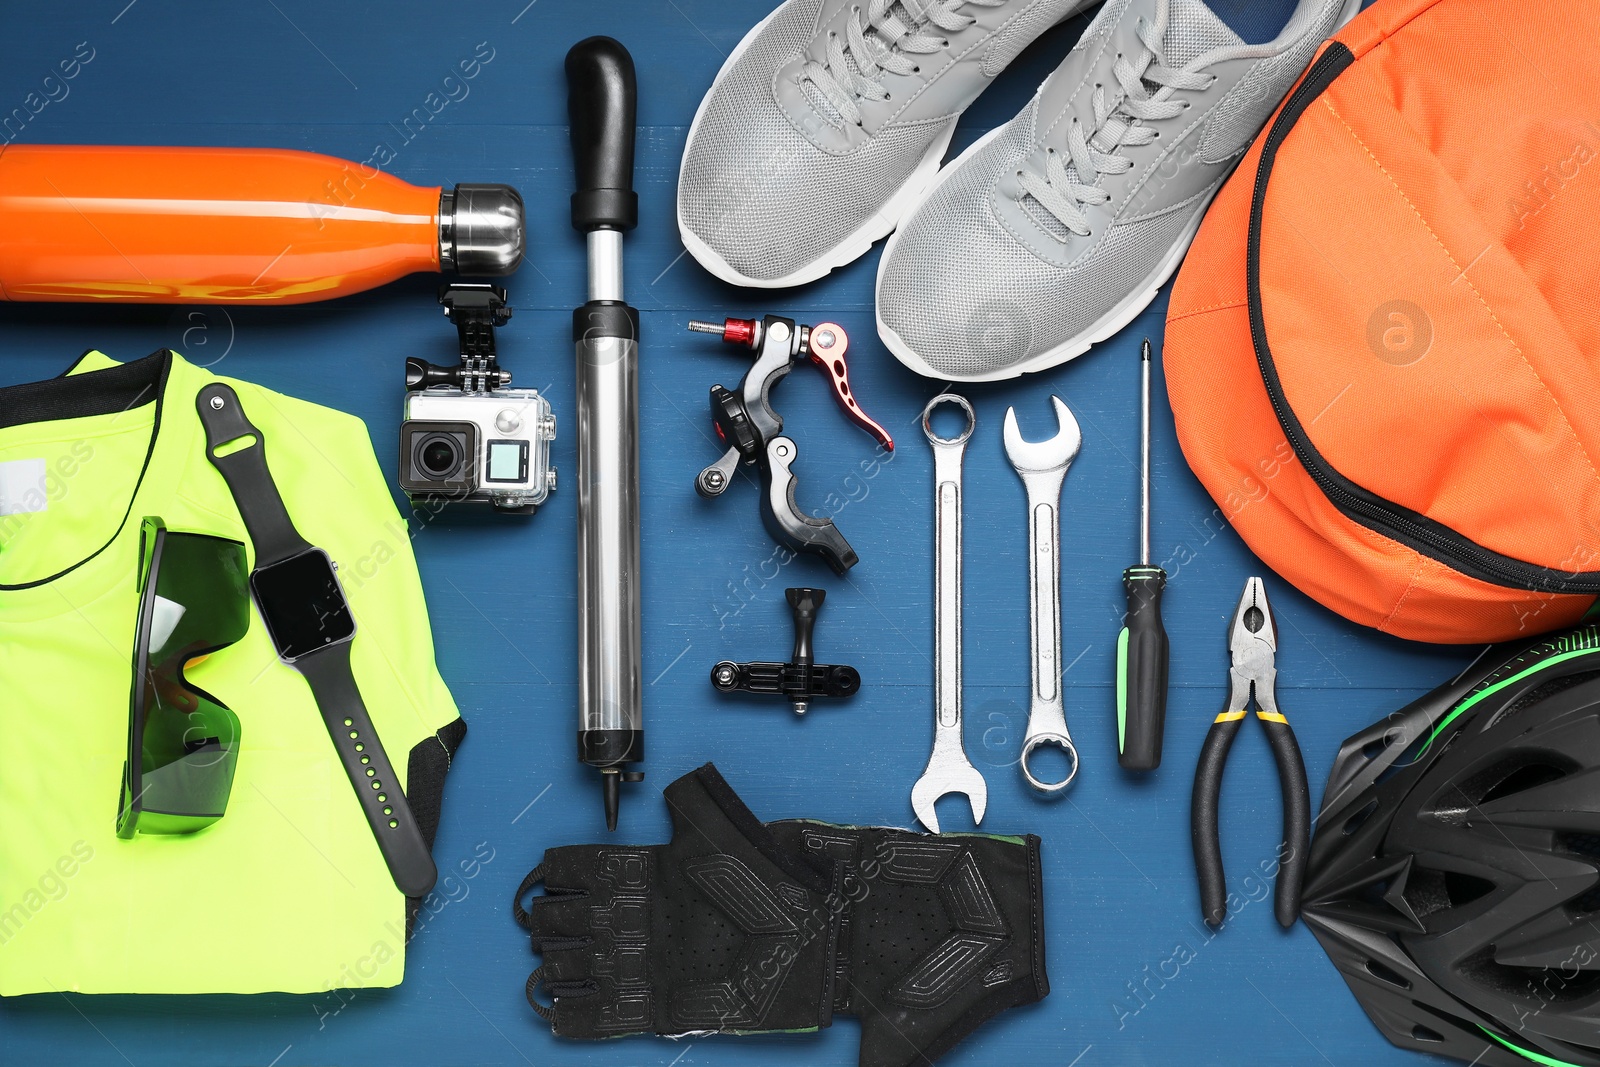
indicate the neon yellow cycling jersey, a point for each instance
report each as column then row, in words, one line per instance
column 288, row 891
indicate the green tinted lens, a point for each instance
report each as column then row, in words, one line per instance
column 189, row 749
column 202, row 598
column 182, row 743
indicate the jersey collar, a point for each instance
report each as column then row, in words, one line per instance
column 109, row 391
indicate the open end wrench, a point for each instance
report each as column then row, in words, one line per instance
column 1042, row 466
column 949, row 770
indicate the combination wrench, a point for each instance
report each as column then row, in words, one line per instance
column 1042, row 466
column 949, row 770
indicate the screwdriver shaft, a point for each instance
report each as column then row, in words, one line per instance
column 1144, row 459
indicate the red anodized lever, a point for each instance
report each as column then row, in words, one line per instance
column 825, row 344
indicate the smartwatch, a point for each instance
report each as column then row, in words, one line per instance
column 295, row 586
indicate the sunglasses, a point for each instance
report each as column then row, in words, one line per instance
column 183, row 743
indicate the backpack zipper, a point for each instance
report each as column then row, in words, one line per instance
column 1412, row 529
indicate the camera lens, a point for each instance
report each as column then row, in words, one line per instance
column 440, row 456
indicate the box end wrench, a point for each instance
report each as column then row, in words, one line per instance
column 949, row 770
column 1042, row 466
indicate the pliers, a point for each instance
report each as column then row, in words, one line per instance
column 1253, row 643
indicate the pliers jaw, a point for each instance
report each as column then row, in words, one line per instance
column 1253, row 644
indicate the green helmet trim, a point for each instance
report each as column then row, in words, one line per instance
column 1588, row 644
column 1548, row 1061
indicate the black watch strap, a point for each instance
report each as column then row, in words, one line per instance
column 377, row 786
column 327, row 671
column 245, row 470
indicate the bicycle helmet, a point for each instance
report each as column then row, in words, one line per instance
column 1455, row 874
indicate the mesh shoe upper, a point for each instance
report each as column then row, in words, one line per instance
column 1028, row 280
column 774, row 177
column 997, row 302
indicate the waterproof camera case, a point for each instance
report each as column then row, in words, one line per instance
column 464, row 436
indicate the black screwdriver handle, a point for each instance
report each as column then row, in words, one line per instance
column 602, row 105
column 1142, row 657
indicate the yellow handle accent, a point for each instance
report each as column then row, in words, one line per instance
column 1272, row 716
column 1231, row 716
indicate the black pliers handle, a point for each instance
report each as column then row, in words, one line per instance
column 1253, row 644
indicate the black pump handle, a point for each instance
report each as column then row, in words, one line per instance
column 602, row 106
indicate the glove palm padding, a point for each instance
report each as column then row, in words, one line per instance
column 718, row 930
column 938, row 933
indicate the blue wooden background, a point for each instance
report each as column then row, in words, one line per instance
column 1136, row 977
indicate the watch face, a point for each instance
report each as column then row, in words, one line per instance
column 302, row 604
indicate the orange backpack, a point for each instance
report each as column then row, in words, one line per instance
column 1382, row 349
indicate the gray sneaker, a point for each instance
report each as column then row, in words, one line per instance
column 830, row 120
column 1054, row 231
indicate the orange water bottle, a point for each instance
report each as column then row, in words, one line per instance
column 233, row 225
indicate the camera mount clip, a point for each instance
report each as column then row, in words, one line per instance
column 753, row 431
column 803, row 678
column 476, row 308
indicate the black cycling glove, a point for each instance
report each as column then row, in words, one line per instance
column 740, row 927
column 720, row 929
column 939, row 932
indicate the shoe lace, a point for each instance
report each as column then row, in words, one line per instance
column 1148, row 88
column 893, row 32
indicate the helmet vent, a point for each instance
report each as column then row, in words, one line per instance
column 1587, row 846
column 1386, row 974
column 1521, row 780
column 1354, row 822
column 1589, row 902
column 1515, row 774
column 1548, row 985
column 1429, row 891
column 1540, row 693
column 1463, row 889
column 1424, row 1033
column 1583, row 844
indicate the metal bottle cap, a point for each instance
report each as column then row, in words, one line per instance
column 480, row 229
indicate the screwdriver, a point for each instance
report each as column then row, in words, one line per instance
column 1142, row 646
